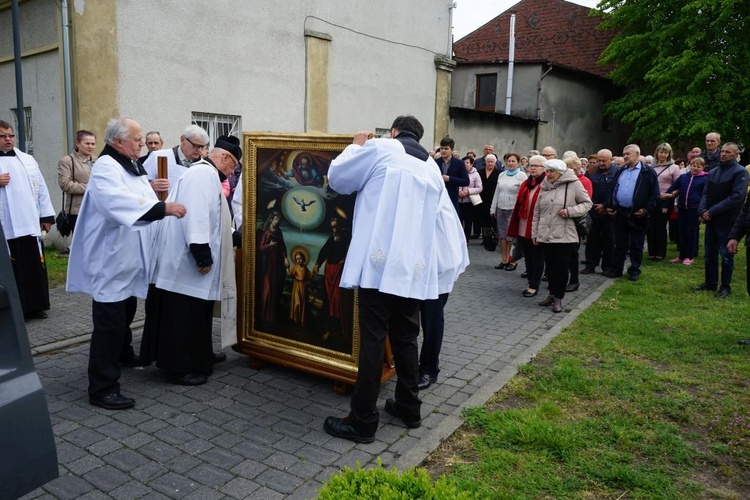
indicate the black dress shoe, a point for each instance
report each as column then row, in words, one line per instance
column 343, row 428
column 114, row 401
column 501, row 265
column 426, row 381
column 611, row 274
column 392, row 409
column 633, row 277
column 703, row 288
column 572, row 287
column 528, row 293
column 193, row 378
column 35, row 315
column 744, row 342
column 219, row 357
column 723, row 293
column 131, row 361
column 525, row 274
column 587, row 270
column 545, row 279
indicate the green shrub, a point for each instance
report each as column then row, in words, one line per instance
column 389, row 485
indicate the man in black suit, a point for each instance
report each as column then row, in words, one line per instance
column 431, row 311
column 453, row 170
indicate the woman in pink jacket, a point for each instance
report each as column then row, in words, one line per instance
column 465, row 206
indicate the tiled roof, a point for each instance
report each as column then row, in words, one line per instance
column 555, row 31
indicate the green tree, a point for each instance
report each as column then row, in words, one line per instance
column 685, row 65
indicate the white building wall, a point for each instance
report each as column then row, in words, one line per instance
column 248, row 58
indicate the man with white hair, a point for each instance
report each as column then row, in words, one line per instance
column 111, row 255
column 712, row 154
column 193, row 141
column 634, row 197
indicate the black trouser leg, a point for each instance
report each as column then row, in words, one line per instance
column 433, row 327
column 111, row 330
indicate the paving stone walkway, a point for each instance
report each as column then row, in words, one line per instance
column 259, row 434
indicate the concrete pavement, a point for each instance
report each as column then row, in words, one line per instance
column 259, row 434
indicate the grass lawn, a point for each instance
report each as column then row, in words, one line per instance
column 645, row 395
column 57, row 267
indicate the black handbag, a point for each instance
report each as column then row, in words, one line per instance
column 64, row 221
column 582, row 222
column 490, row 240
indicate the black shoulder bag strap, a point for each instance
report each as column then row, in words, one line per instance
column 73, row 176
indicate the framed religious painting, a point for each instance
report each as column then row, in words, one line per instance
column 295, row 236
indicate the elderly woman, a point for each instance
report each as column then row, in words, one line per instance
column 488, row 176
column 520, row 223
column 576, row 164
column 667, row 172
column 562, row 197
column 465, row 206
column 73, row 173
column 506, row 192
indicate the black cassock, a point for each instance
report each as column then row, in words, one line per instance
column 30, row 273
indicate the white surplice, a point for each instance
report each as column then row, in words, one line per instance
column 207, row 220
column 407, row 239
column 25, row 199
column 111, row 253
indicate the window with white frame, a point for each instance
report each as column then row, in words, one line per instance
column 29, row 136
column 218, row 125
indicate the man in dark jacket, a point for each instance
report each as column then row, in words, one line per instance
column 600, row 243
column 719, row 207
column 453, row 170
column 742, row 228
column 634, row 197
column 712, row 155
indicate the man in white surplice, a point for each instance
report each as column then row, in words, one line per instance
column 407, row 245
column 25, row 210
column 110, row 256
column 194, row 267
column 179, row 158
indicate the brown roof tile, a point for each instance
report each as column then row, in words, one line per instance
column 556, row 31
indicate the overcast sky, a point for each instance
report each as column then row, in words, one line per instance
column 471, row 14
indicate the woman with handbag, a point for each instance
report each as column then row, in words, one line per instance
column 520, row 223
column 73, row 173
column 561, row 200
column 506, row 191
column 468, row 196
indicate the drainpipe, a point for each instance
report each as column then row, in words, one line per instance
column 511, row 62
column 449, row 53
column 539, row 107
column 67, row 85
column 21, row 132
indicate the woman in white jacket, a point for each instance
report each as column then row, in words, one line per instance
column 465, row 206
column 506, row 192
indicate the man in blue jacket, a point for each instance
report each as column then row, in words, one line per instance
column 720, row 205
column 634, row 197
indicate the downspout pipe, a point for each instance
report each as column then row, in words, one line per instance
column 539, row 106
column 67, row 83
column 511, row 63
column 21, row 132
column 449, row 52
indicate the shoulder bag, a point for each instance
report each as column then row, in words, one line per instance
column 582, row 223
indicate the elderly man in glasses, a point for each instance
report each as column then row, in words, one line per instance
column 193, row 142
column 25, row 211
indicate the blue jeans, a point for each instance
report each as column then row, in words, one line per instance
column 715, row 246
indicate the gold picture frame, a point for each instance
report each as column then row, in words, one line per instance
column 295, row 233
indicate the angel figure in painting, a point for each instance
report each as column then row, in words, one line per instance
column 301, row 277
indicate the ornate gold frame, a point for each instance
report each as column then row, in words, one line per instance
column 260, row 345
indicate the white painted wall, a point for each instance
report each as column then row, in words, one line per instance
column 248, row 58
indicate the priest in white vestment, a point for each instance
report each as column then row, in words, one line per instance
column 179, row 158
column 110, row 256
column 407, row 245
column 25, row 211
column 194, row 267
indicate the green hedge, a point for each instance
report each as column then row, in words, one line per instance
column 389, row 485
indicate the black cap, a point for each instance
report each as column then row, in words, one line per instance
column 231, row 144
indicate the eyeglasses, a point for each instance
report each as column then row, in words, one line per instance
column 7, row 136
column 232, row 159
column 536, row 165
column 196, row 146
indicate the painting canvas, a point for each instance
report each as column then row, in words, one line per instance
column 296, row 233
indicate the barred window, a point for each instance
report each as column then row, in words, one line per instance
column 218, row 125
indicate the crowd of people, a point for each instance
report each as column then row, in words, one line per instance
column 177, row 253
